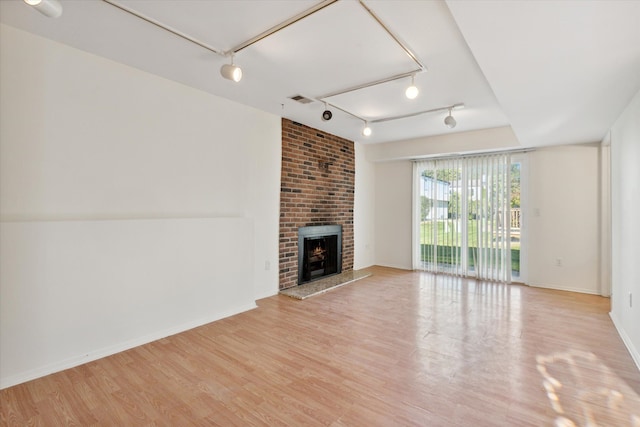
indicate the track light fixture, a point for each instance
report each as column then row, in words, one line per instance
column 449, row 120
column 412, row 91
column 50, row 8
column 366, row 130
column 326, row 114
column 231, row 71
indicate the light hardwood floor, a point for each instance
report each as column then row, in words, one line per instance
column 396, row 349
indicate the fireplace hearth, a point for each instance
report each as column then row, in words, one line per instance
column 319, row 252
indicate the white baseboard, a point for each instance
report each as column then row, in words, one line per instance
column 635, row 354
column 265, row 294
column 104, row 352
column 564, row 288
column 398, row 267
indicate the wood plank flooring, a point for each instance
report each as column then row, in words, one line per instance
column 395, row 349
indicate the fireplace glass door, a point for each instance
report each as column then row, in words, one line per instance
column 319, row 252
column 320, row 257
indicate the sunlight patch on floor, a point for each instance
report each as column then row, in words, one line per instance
column 583, row 391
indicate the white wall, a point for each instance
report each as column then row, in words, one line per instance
column 563, row 218
column 393, row 214
column 75, row 291
column 262, row 198
column 364, row 210
column 625, row 206
column 86, row 140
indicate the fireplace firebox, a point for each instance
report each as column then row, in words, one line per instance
column 319, row 252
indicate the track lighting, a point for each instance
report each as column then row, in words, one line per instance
column 412, row 91
column 50, row 8
column 366, row 130
column 231, row 71
column 450, row 121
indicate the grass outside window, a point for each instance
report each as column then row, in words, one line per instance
column 449, row 239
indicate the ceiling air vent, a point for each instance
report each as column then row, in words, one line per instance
column 301, row 99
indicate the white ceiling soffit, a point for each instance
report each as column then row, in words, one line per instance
column 563, row 71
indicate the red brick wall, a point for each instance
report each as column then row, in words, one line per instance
column 313, row 192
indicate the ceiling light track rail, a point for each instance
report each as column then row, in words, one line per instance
column 404, row 47
column 368, row 84
column 318, row 7
column 164, row 27
column 448, row 108
column 345, row 111
column 419, row 113
column 412, row 73
column 237, row 48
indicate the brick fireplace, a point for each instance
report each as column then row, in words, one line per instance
column 317, row 187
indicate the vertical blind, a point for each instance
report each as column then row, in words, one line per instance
column 462, row 216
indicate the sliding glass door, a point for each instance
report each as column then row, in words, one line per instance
column 462, row 216
column 441, row 229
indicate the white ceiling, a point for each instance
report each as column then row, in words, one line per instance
column 558, row 71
